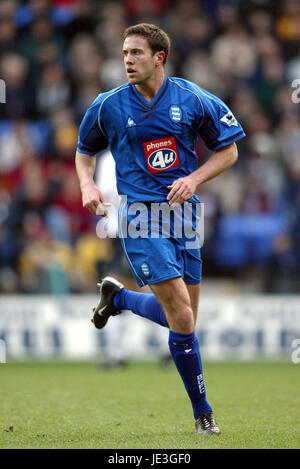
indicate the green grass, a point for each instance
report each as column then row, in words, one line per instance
column 60, row 405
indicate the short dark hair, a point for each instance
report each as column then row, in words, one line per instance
column 158, row 39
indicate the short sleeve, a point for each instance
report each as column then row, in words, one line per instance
column 219, row 127
column 91, row 139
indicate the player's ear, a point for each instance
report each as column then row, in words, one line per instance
column 160, row 56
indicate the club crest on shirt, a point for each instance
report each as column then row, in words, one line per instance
column 175, row 113
column 145, row 269
column 161, row 154
column 229, row 119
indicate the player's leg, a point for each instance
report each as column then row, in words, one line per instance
column 205, row 422
column 151, row 260
column 175, row 302
column 150, row 306
column 114, row 298
column 194, row 293
column 174, row 296
column 145, row 305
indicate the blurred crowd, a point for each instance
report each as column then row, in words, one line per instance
column 57, row 56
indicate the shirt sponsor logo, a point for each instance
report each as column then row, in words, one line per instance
column 175, row 113
column 161, row 154
column 229, row 119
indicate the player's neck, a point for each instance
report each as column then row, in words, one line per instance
column 151, row 87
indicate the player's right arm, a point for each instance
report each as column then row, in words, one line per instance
column 92, row 198
column 91, row 140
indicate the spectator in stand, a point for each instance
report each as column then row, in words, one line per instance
column 41, row 31
column 8, row 36
column 53, row 90
column 288, row 25
column 19, row 92
column 234, row 53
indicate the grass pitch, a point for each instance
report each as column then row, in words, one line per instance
column 71, row 405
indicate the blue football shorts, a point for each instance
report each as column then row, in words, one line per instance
column 160, row 242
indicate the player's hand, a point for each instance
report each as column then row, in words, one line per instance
column 93, row 200
column 181, row 190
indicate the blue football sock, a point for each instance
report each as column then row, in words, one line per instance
column 184, row 349
column 142, row 304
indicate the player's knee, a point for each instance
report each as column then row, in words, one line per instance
column 184, row 319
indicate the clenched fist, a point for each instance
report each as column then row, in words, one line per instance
column 93, row 200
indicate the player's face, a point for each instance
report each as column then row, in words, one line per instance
column 140, row 62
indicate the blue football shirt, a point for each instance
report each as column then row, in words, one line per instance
column 153, row 143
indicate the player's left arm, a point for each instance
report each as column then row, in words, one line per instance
column 183, row 188
column 219, row 129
